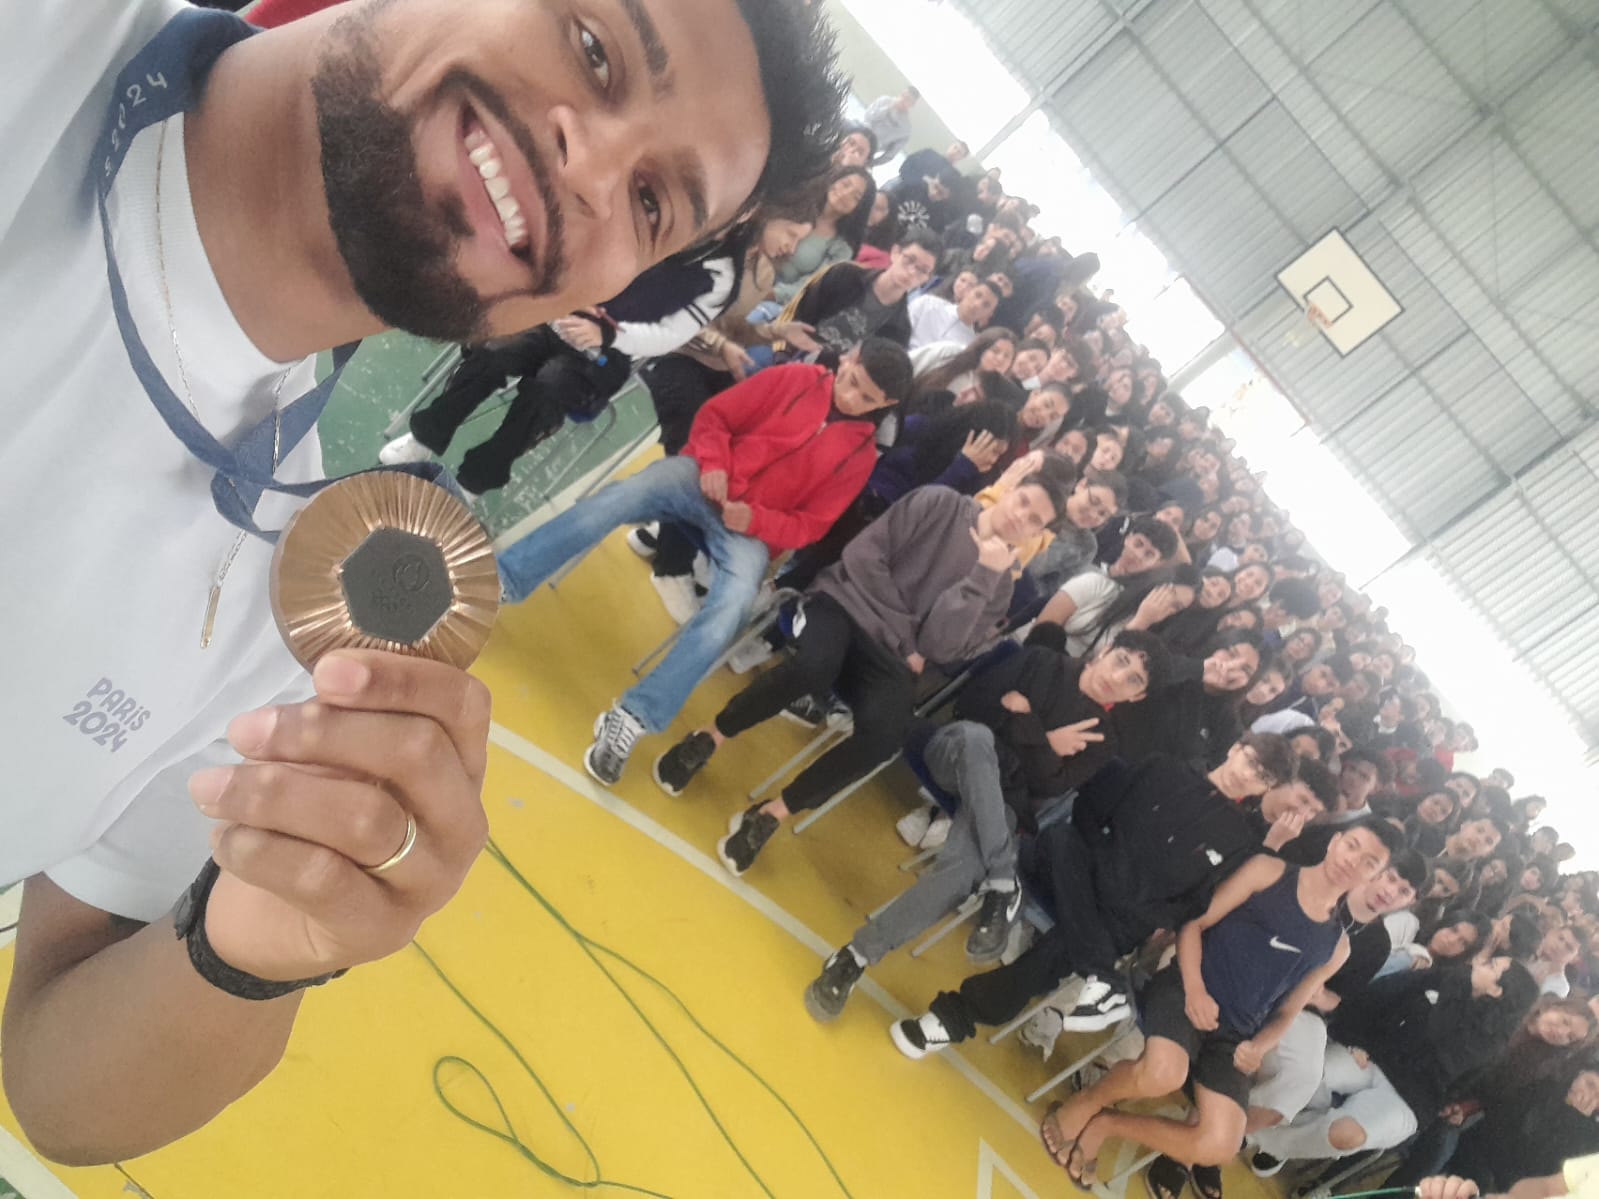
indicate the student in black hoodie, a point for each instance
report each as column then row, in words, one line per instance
column 1397, row 1048
column 1196, row 716
column 1026, row 731
column 847, row 302
column 1143, row 850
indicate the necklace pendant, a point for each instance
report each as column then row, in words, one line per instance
column 209, row 626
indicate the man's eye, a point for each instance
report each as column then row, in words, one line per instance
column 651, row 206
column 599, row 61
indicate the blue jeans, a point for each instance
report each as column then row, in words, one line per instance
column 667, row 490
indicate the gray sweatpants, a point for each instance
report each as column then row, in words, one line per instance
column 981, row 847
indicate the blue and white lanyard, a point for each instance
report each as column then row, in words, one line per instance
column 163, row 79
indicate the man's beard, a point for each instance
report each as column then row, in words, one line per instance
column 399, row 249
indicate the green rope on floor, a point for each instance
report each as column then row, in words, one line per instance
column 595, row 952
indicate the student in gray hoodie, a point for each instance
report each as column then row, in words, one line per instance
column 929, row 581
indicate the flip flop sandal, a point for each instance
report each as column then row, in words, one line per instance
column 1059, row 1154
column 1206, row 1180
column 1083, row 1176
column 1166, row 1178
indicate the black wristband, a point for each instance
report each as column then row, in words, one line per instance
column 189, row 920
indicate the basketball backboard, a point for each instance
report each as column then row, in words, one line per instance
column 1338, row 292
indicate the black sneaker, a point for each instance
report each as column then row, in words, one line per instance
column 677, row 766
column 747, row 835
column 994, row 921
column 826, row 996
column 1100, row 1005
column 642, row 541
column 806, row 710
column 1264, row 1164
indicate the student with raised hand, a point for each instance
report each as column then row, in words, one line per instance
column 928, row 582
column 1026, row 731
column 1268, row 941
column 769, row 466
column 1143, row 849
column 283, row 204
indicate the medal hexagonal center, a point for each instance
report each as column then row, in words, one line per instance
column 396, row 585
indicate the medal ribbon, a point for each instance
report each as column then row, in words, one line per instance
column 163, row 79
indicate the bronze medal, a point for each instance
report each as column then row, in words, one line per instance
column 387, row 561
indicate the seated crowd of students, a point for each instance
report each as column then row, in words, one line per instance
column 1211, row 760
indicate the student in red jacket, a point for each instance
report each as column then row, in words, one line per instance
column 770, row 464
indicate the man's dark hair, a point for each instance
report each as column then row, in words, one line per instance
column 1031, row 343
column 1112, row 480
column 1496, row 801
column 1379, row 762
column 804, row 89
column 1391, row 838
column 1525, row 937
column 1006, row 220
column 996, row 386
column 1050, row 315
column 921, row 235
column 889, row 366
column 1297, row 597
column 1057, row 492
column 1319, row 779
column 1343, row 669
column 1160, row 535
column 1157, row 658
column 1326, row 743
column 1278, row 762
column 1409, row 865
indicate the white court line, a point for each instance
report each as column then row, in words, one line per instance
column 575, row 780
column 21, row 1169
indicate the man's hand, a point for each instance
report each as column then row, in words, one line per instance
column 738, row 360
column 1446, row 1186
column 1284, row 829
column 1015, row 701
column 1248, row 1056
column 1026, row 465
column 713, row 485
column 323, row 793
column 1203, row 1011
column 578, row 332
column 737, row 517
column 1325, row 1001
column 993, row 553
column 916, row 662
column 983, row 450
column 1072, row 739
column 1362, row 1058
column 796, row 334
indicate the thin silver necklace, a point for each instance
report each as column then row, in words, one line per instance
column 220, row 577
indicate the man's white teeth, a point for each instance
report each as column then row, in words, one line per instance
column 481, row 151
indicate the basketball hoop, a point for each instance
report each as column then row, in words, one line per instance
column 1315, row 321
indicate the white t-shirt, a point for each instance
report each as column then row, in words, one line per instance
column 1093, row 591
column 933, row 319
column 111, row 539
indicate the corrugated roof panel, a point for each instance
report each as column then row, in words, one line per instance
column 1565, row 495
column 1392, row 88
column 1493, row 213
column 1145, row 147
column 1552, row 122
column 1038, row 39
column 1429, row 322
column 1382, row 438
column 1202, row 65
column 1307, row 26
column 1289, row 168
column 1569, row 659
column 1231, row 238
column 1496, row 573
column 1558, row 310
column 1491, row 45
column 1494, row 413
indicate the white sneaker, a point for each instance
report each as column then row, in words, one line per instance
column 677, row 596
column 402, row 450
column 702, row 570
column 642, row 540
column 912, row 826
column 749, row 655
column 917, row 1038
column 937, row 831
column 1100, row 1005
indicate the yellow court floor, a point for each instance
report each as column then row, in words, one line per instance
column 603, row 1007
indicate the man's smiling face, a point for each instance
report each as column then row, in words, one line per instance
column 492, row 166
